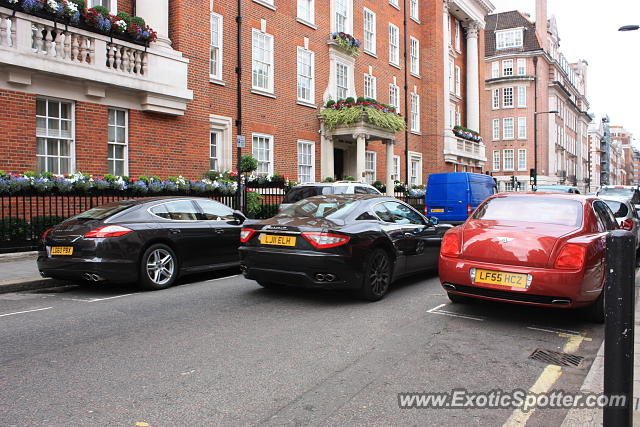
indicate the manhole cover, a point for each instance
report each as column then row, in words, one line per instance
column 556, row 357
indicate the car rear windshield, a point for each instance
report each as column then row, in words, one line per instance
column 544, row 210
column 299, row 193
column 103, row 212
column 324, row 208
column 549, row 189
column 617, row 192
column 619, row 209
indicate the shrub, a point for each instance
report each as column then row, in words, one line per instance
column 102, row 11
column 350, row 100
column 360, row 99
column 80, row 3
column 136, row 20
column 253, row 203
column 14, row 228
column 330, row 103
column 41, row 223
column 248, row 164
column 329, row 179
column 124, row 16
column 349, row 178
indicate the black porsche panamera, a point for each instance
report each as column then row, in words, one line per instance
column 151, row 241
column 357, row 242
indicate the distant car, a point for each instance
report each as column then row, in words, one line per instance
column 357, row 242
column 532, row 248
column 310, row 189
column 557, row 189
column 150, row 241
column 626, row 214
column 629, row 192
column 451, row 197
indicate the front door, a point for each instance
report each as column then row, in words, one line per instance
column 338, row 163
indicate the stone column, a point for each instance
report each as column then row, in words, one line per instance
column 473, row 89
column 361, row 147
column 326, row 157
column 156, row 15
column 390, row 186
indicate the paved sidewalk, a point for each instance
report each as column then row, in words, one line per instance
column 19, row 272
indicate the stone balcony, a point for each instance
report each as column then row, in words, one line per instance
column 459, row 150
column 33, row 51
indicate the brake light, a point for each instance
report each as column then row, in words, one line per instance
column 468, row 210
column 44, row 235
column 450, row 245
column 627, row 224
column 571, row 257
column 426, row 210
column 108, row 231
column 325, row 240
column 246, row 234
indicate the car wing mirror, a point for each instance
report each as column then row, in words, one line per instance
column 433, row 221
column 239, row 217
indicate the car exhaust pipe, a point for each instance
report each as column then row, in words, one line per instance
column 561, row 301
column 88, row 276
column 330, row 277
column 320, row 277
column 449, row 286
column 96, row 278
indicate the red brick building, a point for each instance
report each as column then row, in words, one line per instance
column 76, row 100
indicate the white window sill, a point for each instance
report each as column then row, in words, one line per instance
column 395, row 6
column 371, row 54
column 265, row 4
column 395, row 65
column 217, row 81
column 263, row 93
column 306, row 104
column 507, row 106
column 417, row 76
column 306, row 23
column 522, row 106
column 415, row 19
column 416, row 132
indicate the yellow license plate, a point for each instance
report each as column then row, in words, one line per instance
column 270, row 239
column 513, row 280
column 437, row 210
column 62, row 250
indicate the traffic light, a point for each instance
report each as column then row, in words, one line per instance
column 532, row 174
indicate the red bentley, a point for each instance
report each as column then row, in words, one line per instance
column 530, row 248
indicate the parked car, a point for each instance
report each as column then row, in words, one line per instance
column 558, row 189
column 151, row 241
column 357, row 242
column 534, row 248
column 310, row 189
column 451, row 197
column 629, row 192
column 626, row 214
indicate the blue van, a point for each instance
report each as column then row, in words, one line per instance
column 451, row 197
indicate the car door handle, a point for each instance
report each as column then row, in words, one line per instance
column 174, row 230
column 219, row 230
column 409, row 235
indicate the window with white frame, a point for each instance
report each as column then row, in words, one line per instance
column 396, row 168
column 507, row 67
column 370, row 166
column 117, row 155
column 262, row 150
column 54, row 136
column 369, row 31
column 215, row 58
column 457, row 35
column 496, row 160
column 306, row 161
column 507, row 97
column 342, row 80
column 522, row 128
column 342, row 16
column 269, row 2
column 109, row 4
column 507, row 128
column 458, row 118
column 507, row 39
column 457, row 80
column 522, row 66
column 370, row 89
column 262, row 66
column 496, row 129
column 215, row 150
column 495, row 69
column 394, row 45
column 413, row 10
column 495, row 99
column 394, row 97
column 414, row 53
column 451, row 76
column 522, row 159
column 508, row 159
column 522, row 96
column 306, row 72
column 415, row 112
column 306, row 11
column 415, row 169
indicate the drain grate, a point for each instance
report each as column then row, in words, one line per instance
column 556, row 357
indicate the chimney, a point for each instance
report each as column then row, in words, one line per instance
column 541, row 22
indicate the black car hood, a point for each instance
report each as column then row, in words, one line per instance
column 293, row 223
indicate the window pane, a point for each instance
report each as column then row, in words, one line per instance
column 54, row 109
column 52, row 165
column 120, row 134
column 41, row 107
column 52, row 147
column 182, row 210
column 64, row 148
column 112, row 133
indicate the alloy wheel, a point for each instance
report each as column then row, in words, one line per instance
column 160, row 266
column 379, row 274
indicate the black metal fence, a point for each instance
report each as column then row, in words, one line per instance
column 24, row 218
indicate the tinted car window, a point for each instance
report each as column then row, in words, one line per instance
column 180, row 210
column 619, row 209
column 403, row 214
column 365, row 190
column 605, row 215
column 545, row 210
column 298, row 193
column 627, row 193
column 319, row 208
column 214, row 211
column 103, row 212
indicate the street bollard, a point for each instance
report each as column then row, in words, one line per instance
column 619, row 297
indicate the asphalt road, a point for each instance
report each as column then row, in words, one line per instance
column 220, row 350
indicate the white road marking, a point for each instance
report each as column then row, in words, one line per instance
column 26, row 311
column 436, row 310
column 223, row 278
column 108, row 298
column 554, row 330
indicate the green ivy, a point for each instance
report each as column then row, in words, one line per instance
column 389, row 121
column 345, row 116
column 350, row 115
column 253, row 203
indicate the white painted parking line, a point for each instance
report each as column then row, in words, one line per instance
column 554, row 330
column 223, row 278
column 108, row 298
column 437, row 310
column 26, row 311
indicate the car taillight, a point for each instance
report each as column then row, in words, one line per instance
column 426, row 210
column 246, row 234
column 469, row 210
column 627, row 224
column 108, row 231
column 325, row 240
column 450, row 245
column 571, row 257
column 44, row 235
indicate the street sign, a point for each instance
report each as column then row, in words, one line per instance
column 240, row 140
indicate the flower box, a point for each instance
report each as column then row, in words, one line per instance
column 346, row 42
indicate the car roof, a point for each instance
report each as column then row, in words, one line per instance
column 349, row 197
column 569, row 196
column 158, row 198
column 330, row 184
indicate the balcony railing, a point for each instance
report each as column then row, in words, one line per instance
column 37, row 44
column 458, row 147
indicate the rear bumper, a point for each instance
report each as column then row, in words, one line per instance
column 550, row 288
column 299, row 268
column 70, row 268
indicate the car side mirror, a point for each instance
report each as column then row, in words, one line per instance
column 239, row 217
column 433, row 220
